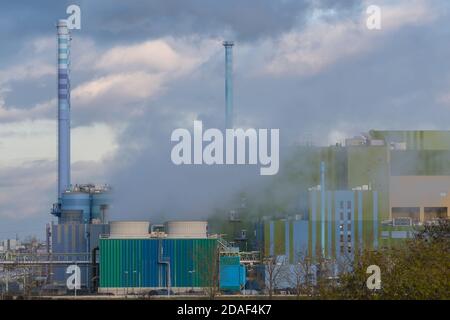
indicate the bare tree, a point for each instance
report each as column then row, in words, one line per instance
column 325, row 277
column 274, row 273
column 207, row 270
column 301, row 275
column 315, row 276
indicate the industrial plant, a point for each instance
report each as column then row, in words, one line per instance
column 374, row 191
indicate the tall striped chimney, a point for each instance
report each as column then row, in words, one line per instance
column 63, row 107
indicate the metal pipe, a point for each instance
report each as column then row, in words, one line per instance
column 94, row 269
column 228, row 84
column 322, row 206
column 161, row 260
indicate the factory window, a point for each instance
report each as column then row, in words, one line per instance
column 349, row 249
column 342, row 238
column 349, row 226
column 342, row 249
column 406, row 212
column 402, row 222
column 349, row 215
column 342, row 215
column 432, row 213
column 341, row 204
column 349, row 238
column 349, row 204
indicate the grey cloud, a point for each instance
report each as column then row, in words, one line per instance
column 28, row 192
column 117, row 22
column 26, row 197
column 112, row 22
column 24, row 94
column 246, row 20
column 22, row 21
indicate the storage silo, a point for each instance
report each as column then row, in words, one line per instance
column 187, row 229
column 100, row 205
column 129, row 229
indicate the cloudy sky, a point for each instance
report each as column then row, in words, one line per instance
column 143, row 68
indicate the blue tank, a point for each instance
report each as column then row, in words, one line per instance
column 76, row 203
column 100, row 205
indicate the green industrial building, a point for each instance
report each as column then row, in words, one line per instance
column 373, row 192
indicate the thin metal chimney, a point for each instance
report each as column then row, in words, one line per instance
column 63, row 107
column 322, row 207
column 228, row 84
